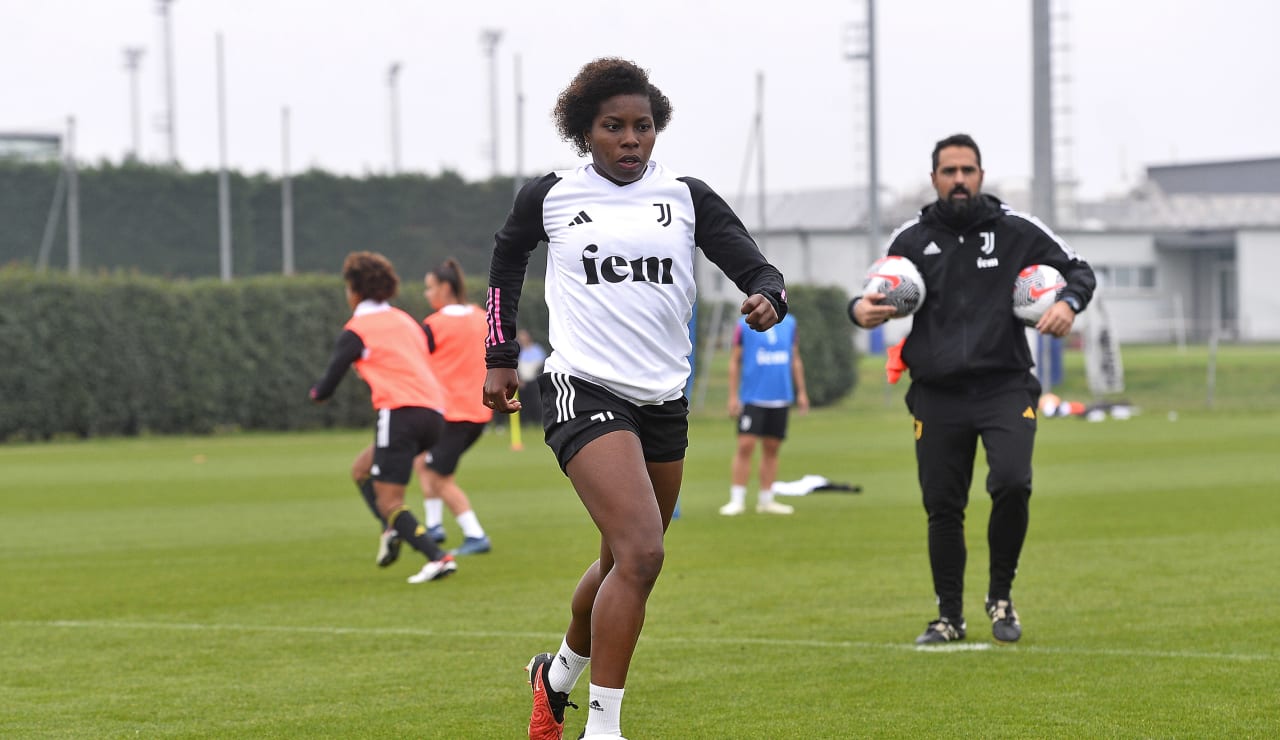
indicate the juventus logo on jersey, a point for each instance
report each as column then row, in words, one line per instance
column 581, row 218
column 988, row 246
column 664, row 213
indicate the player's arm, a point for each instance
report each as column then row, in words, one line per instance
column 735, row 371
column 346, row 350
column 722, row 237
column 518, row 237
column 1049, row 249
column 431, row 338
column 797, row 377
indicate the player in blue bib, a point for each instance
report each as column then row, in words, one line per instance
column 766, row 376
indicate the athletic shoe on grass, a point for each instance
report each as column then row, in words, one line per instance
column 1005, row 626
column 472, row 546
column 435, row 570
column 941, row 630
column 547, row 720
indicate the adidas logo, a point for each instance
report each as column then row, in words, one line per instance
column 932, row 248
column 581, row 218
column 595, row 704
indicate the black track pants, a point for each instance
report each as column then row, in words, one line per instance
column 948, row 425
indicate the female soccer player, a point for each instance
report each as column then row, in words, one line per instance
column 389, row 351
column 621, row 233
column 455, row 338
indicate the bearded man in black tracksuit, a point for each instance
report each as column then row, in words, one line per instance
column 971, row 376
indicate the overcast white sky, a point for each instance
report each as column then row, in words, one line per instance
column 1151, row 83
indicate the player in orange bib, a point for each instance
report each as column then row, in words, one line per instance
column 389, row 351
column 455, row 333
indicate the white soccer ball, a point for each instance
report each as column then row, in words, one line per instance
column 1037, row 288
column 900, row 282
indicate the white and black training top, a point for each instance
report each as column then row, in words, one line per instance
column 620, row 275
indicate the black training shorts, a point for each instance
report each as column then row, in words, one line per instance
column 763, row 421
column 457, row 438
column 401, row 435
column 575, row 412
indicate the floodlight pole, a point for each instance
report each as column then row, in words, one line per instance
column 516, row 178
column 1043, row 197
column 73, row 200
column 393, row 89
column 286, row 198
column 224, row 184
column 489, row 39
column 132, row 59
column 868, row 54
column 873, row 148
column 170, row 116
column 763, row 234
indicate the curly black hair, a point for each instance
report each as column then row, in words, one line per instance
column 595, row 83
column 370, row 276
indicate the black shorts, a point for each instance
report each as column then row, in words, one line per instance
column 401, row 435
column 574, row 412
column 457, row 438
column 763, row 421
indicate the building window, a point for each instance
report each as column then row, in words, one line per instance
column 1127, row 277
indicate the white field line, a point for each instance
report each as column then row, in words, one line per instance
column 103, row 625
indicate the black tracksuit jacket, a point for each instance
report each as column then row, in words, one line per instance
column 965, row 334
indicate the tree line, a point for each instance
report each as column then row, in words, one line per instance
column 161, row 220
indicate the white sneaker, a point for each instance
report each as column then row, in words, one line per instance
column 435, row 569
column 732, row 509
column 773, row 507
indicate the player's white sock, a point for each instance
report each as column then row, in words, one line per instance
column 766, row 495
column 470, row 525
column 738, row 495
column 604, row 711
column 566, row 668
column 433, row 510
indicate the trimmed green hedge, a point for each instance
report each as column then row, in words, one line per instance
column 124, row 354
column 826, row 336
column 826, row 342
column 826, row 339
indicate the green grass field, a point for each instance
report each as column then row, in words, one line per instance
column 224, row 587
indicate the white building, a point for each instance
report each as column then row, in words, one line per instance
column 1189, row 252
column 30, row 146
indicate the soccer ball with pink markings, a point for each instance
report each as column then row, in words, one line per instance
column 1037, row 288
column 900, row 282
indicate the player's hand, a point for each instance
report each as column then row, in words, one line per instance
column 870, row 312
column 759, row 312
column 1057, row 321
column 500, row 386
column 735, row 408
column 802, row 403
